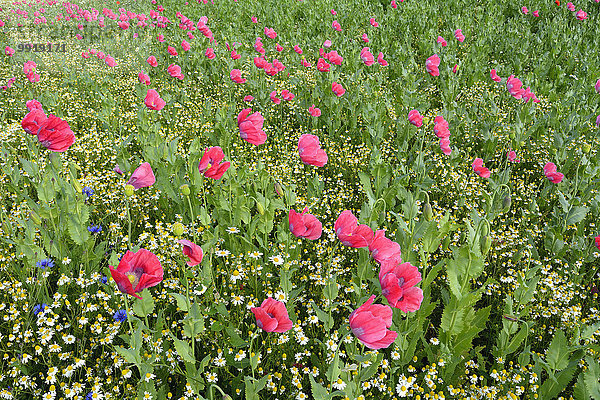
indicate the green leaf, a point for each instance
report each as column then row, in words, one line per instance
column 576, row 214
column 318, row 391
column 236, row 340
column 183, row 349
column 323, row 316
column 580, row 392
column 129, row 355
column 551, row 387
column 591, row 377
column 144, row 306
column 254, row 386
column 182, row 302
column 557, row 356
column 516, row 340
column 78, row 231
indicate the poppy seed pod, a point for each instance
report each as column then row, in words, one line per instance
column 129, row 190
column 486, row 243
column 178, row 229
column 428, row 212
column 506, row 202
column 185, row 189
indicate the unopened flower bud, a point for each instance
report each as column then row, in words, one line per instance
column 185, row 189
column 227, row 397
column 35, row 218
column 56, row 161
column 586, row 148
column 486, row 243
column 129, row 190
column 485, row 229
column 178, row 229
column 428, row 212
column 506, row 202
column 278, row 189
column 261, row 209
column 77, row 186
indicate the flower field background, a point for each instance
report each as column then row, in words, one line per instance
column 299, row 199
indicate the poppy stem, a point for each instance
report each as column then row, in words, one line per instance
column 127, row 310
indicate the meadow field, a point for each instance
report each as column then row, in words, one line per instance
column 299, row 199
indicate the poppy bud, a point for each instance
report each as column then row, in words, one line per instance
column 586, row 148
column 77, row 186
column 506, row 202
column 486, row 243
column 35, row 218
column 129, row 190
column 185, row 189
column 178, row 229
column 428, row 212
column 512, row 136
column 56, row 161
column 227, row 397
column 446, row 243
column 261, row 209
column 485, row 229
column 278, row 189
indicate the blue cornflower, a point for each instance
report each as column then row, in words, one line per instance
column 95, row 229
column 89, row 396
column 47, row 262
column 39, row 308
column 88, row 191
column 104, row 279
column 120, row 315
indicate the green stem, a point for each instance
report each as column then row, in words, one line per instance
column 128, row 311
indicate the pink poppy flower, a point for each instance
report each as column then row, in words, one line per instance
column 270, row 33
column 137, row 271
column 512, row 156
column 33, row 121
column 338, row 89
column 415, row 118
column 455, row 69
column 570, row 6
column 445, row 146
column 287, row 95
column 210, row 53
column 9, row 51
column 152, row 61
column 365, row 38
column 278, row 64
column 381, row 61
column 350, row 233
column 383, row 249
column 193, row 251
column 327, row 43
column 210, row 163
column 55, row 134
column 274, row 97
column 161, row 38
column 442, row 41
column 143, row 78
column 367, row 57
column 598, row 121
column 254, row 20
column 185, row 45
column 398, row 286
column 432, row 65
column 333, row 12
column 279, row 48
column 260, row 62
column 236, row 76
column 524, row 10
column 143, row 176
column 153, row 100
column 29, row 67
column 529, row 95
column 322, row 65
column 514, row 87
column 310, row 151
column 336, row 25
column 597, row 86
column 374, row 23
column 175, row 71
column 370, row 323
column 495, row 76
column 441, row 128
column 110, row 61
column 536, row 13
column 314, row 111
column 85, row 54
column 297, row 49
column 248, row 98
column 597, row 239
column 235, row 55
column 480, row 169
column 305, row 225
column 272, row 316
column 459, row 35
column 551, row 173
column 118, row 170
column 172, row 51
column 335, row 58
column 251, row 127
column 394, row 5
column 34, row 105
column 305, row 63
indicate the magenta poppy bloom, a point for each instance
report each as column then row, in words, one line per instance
column 367, row 57
column 432, row 65
column 251, row 127
column 524, row 10
column 143, row 78
column 310, row 151
column 236, row 76
column 29, row 67
column 333, row 12
column 305, row 63
column 598, row 121
column 597, row 86
column 172, row 50
column 335, row 58
column 383, row 249
column 287, row 95
column 153, row 100
column 272, row 316
column 581, row 15
column 314, row 111
column 480, row 169
column 381, row 61
column 442, row 41
column 598, row 242
column 34, row 105
column 297, row 49
column 152, row 61
column 175, row 71
column 415, row 118
column 398, row 286
column 270, row 33
column 350, row 233
column 365, row 38
column 185, row 45
column 536, row 13
column 248, row 98
column 445, row 146
column 305, row 225
column 529, row 95
column 137, row 271
column 441, row 128
column 393, row 4
column 338, row 89
column 9, row 51
column 512, row 156
column 551, row 173
column 373, row 22
column 336, row 25
column 459, row 35
column 322, row 65
column 370, row 323
column 33, row 121
column 260, row 62
column 495, row 76
column 274, row 97
column 143, row 176
column 55, row 134
column 210, row 163
column 193, row 251
column 210, row 53
column 514, row 87
column 161, row 38
column 279, row 48
column 254, row 20
column 110, row 61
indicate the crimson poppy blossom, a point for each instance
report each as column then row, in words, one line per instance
column 279, row 48
column 512, row 156
column 143, row 78
column 442, row 41
column 33, row 121
column 336, row 25
column 314, row 111
column 310, row 151
column 338, row 89
column 185, row 45
column 381, row 61
column 384, row 249
column 322, row 65
column 524, row 10
column 9, row 51
column 365, row 38
column 551, row 173
column 193, row 251
column 350, row 233
column 367, row 57
column 55, row 134
column 34, row 105
column 536, row 13
column 248, row 98
column 370, row 323
column 270, row 33
column 581, row 15
column 250, row 126
column 297, row 49
column 514, row 87
column 272, row 316
column 598, row 121
column 143, row 176
column 172, row 51
column 495, row 76
column 305, row 63
column 393, row 4
column 153, row 100
column 459, row 35
column 432, row 64
column 373, row 22
column 175, row 71
column 29, row 67
column 274, row 97
column 303, row 225
column 398, row 286
column 152, row 61
column 480, row 169
column 415, row 118
column 137, row 271
column 210, row 53
column 287, row 95
column 335, row 58
column 597, row 239
column 210, row 163
column 236, row 76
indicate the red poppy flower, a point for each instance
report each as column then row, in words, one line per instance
column 193, row 251
column 210, row 164
column 272, row 316
column 137, row 271
column 55, row 134
column 370, row 323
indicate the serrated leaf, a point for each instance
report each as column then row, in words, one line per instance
column 557, row 356
column 182, row 301
column 128, row 354
column 77, row 231
column 318, row 391
column 144, row 306
column 591, row 377
column 576, row 214
column 183, row 349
